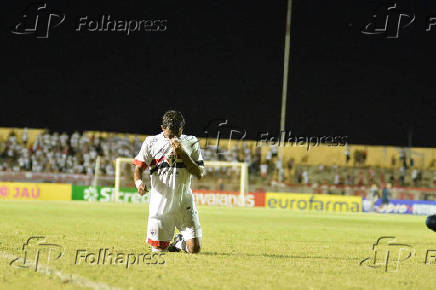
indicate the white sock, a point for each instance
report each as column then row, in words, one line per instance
column 156, row 250
column 181, row 245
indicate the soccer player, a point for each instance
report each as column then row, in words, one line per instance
column 172, row 159
column 372, row 197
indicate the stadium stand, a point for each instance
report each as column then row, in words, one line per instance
column 52, row 157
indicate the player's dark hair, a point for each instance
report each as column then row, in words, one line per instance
column 173, row 120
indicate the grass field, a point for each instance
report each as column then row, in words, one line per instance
column 242, row 248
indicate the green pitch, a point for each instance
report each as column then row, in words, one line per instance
column 243, row 248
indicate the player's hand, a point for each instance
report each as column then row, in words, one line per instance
column 142, row 189
column 177, row 146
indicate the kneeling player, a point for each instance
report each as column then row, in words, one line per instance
column 172, row 159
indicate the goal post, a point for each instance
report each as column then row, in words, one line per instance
column 243, row 176
column 120, row 173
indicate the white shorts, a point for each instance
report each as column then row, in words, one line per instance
column 161, row 223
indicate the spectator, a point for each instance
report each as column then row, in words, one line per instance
column 385, row 194
column 278, row 164
column 299, row 177
column 25, row 136
column 372, row 197
column 402, row 156
column 419, row 177
column 371, row 176
column 392, row 179
column 402, row 175
column 347, row 155
column 305, row 177
column 337, row 180
column 290, row 165
column 220, row 184
column 415, row 177
column 382, row 177
column 263, row 170
column 360, row 181
column 274, row 151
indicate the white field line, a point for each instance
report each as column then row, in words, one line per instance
column 72, row 278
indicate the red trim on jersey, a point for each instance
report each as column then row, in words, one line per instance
column 156, row 161
column 160, row 159
column 159, row 244
column 139, row 163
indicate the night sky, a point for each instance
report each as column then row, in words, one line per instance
column 220, row 60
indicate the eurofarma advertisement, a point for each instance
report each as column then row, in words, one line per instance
column 314, row 202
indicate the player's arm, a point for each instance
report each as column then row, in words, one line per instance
column 137, row 177
column 192, row 166
column 141, row 161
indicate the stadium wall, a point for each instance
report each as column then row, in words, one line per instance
column 273, row 200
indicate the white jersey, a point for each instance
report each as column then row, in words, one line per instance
column 168, row 174
column 171, row 200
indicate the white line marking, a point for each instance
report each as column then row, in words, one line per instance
column 72, row 278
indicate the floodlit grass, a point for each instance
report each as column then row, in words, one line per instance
column 243, row 248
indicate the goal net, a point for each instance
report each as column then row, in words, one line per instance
column 221, row 177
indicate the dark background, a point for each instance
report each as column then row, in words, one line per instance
column 224, row 60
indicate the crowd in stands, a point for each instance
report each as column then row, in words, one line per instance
column 355, row 176
column 61, row 153
column 77, row 154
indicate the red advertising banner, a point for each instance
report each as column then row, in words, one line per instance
column 227, row 198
